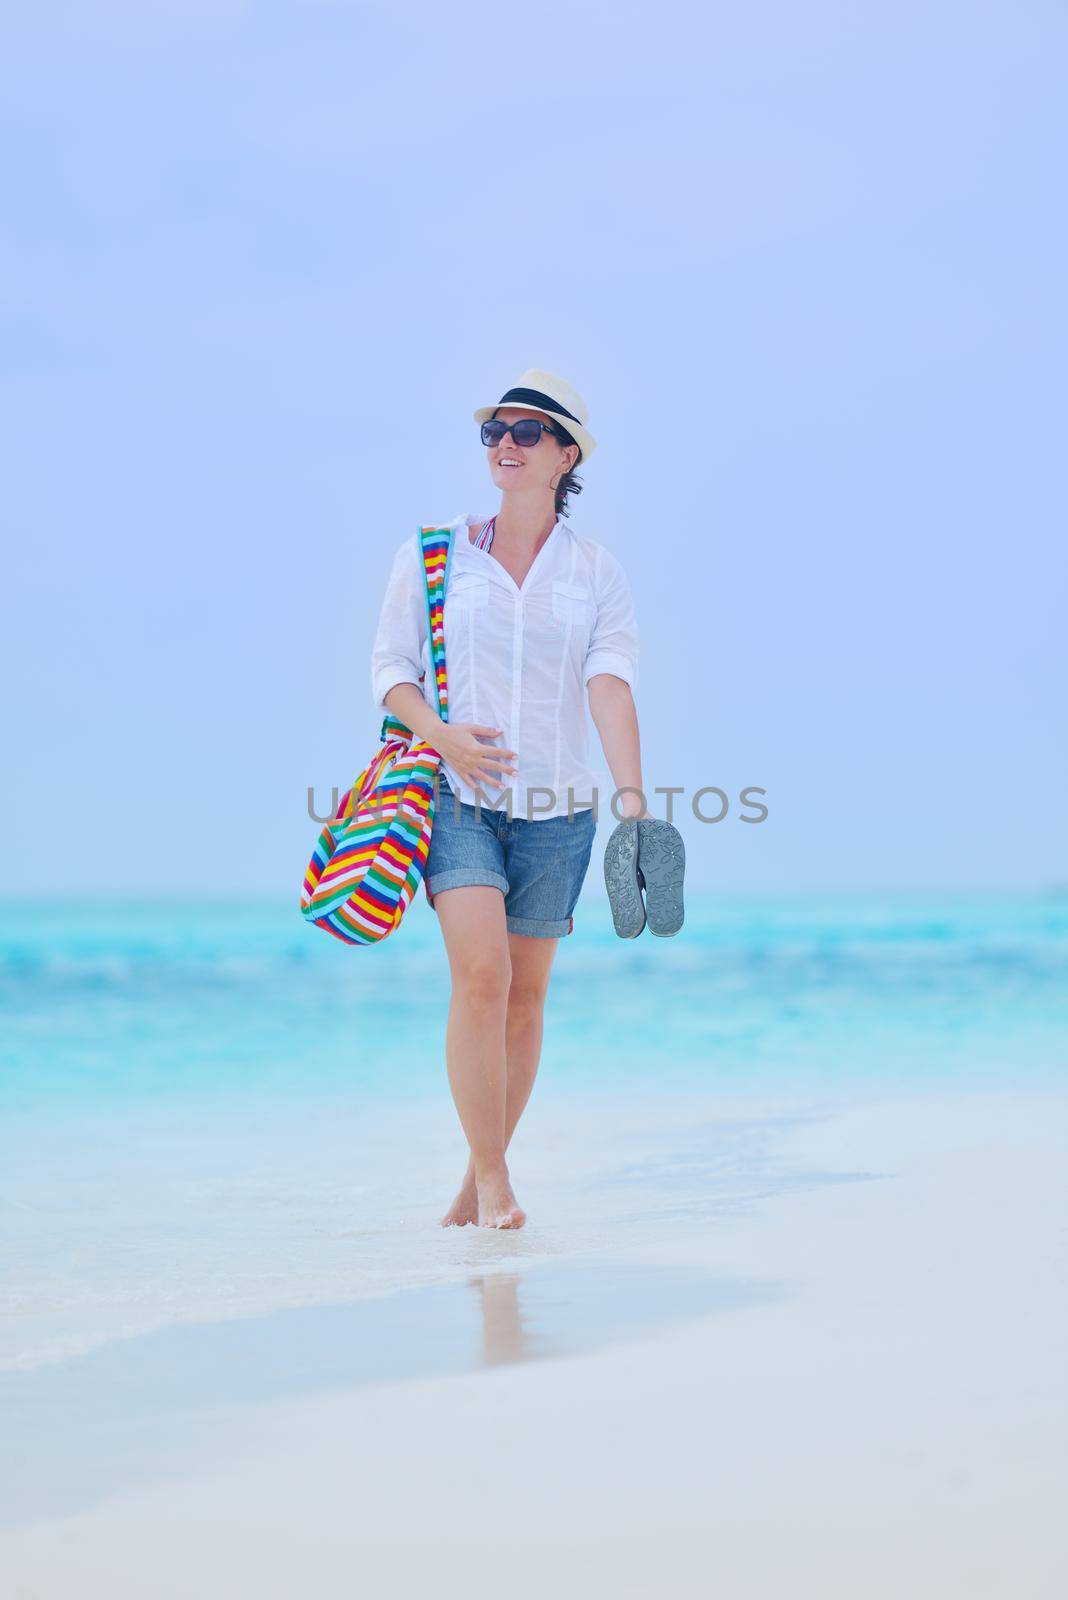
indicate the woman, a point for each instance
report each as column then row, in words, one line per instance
column 533, row 613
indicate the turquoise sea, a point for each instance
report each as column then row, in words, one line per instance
column 164, row 1000
column 214, row 1110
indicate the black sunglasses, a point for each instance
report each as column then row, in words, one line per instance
column 526, row 432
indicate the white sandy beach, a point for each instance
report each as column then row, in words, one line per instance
column 831, row 1388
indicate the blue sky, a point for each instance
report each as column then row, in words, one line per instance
column 806, row 262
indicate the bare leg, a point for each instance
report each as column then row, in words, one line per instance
column 476, row 938
column 532, row 961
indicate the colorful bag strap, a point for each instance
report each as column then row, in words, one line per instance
column 435, row 548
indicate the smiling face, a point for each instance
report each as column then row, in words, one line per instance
column 538, row 468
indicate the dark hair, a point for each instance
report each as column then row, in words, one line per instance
column 569, row 483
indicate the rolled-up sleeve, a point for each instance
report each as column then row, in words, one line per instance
column 397, row 653
column 614, row 642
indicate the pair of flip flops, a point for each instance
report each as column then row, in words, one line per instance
column 645, row 854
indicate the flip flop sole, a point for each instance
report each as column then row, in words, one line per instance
column 621, row 880
column 662, row 859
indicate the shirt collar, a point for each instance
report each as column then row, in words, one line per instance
column 469, row 520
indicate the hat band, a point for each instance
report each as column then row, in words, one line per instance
column 534, row 397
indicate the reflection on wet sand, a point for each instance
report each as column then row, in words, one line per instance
column 161, row 1404
column 502, row 1322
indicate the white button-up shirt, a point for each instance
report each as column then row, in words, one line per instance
column 518, row 658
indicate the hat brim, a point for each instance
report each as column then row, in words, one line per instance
column 585, row 441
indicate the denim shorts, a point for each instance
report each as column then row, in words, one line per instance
column 539, row 865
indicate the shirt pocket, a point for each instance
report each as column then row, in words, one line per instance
column 572, row 605
column 467, row 591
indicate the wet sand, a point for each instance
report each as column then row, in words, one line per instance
column 851, row 1384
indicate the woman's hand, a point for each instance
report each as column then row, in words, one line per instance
column 630, row 805
column 478, row 764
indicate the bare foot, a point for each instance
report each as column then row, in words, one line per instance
column 497, row 1205
column 464, row 1208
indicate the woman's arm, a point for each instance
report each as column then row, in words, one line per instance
column 610, row 673
column 460, row 743
column 616, row 717
column 405, row 700
column 397, row 652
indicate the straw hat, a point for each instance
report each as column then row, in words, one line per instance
column 543, row 391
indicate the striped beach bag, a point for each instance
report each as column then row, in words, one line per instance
column 369, row 861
